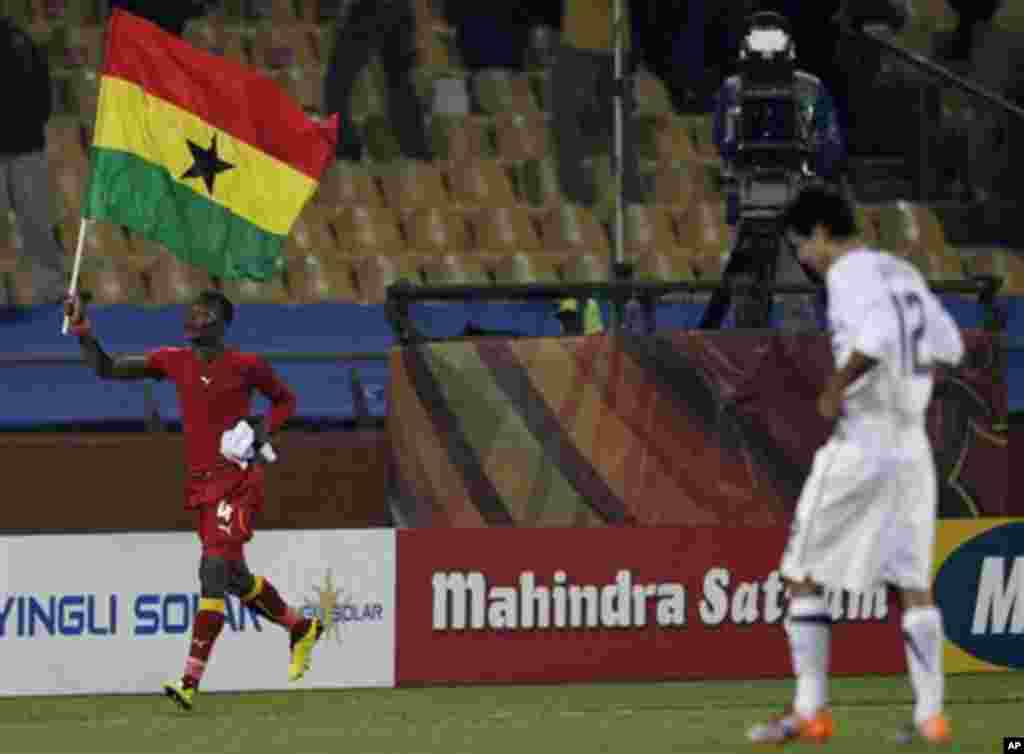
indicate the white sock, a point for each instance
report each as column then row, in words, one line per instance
column 809, row 627
column 922, row 639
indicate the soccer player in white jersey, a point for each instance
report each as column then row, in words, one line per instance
column 866, row 515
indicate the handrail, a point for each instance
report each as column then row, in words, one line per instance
column 313, row 357
column 934, row 69
column 402, row 294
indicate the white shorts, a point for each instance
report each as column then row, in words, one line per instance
column 865, row 518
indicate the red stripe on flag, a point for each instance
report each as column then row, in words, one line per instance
column 228, row 96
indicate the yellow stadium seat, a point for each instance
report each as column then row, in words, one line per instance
column 504, row 230
column 368, row 230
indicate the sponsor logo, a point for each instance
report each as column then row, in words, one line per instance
column 466, row 601
column 30, row 615
column 337, row 609
column 173, row 614
column 980, row 588
column 26, row 616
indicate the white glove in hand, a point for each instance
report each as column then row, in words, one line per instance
column 236, row 444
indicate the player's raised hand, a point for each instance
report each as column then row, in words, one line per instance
column 74, row 309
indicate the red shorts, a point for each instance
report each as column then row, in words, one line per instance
column 226, row 502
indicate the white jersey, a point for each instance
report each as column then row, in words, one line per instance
column 881, row 306
column 866, row 515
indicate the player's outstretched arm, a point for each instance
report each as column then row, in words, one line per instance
column 128, row 367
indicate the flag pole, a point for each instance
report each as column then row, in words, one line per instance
column 73, row 287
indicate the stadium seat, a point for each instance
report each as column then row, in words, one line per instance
column 345, row 183
column 459, row 138
column 282, row 11
column 102, row 239
column 521, row 137
column 272, row 291
column 539, row 184
column 312, row 279
column 60, row 11
column 368, row 230
column 10, row 245
column 1000, row 263
column 65, row 140
column 504, row 230
column 673, row 142
column 700, row 128
column 586, row 268
column 431, row 50
column 867, row 222
column 914, row 232
column 480, row 183
column 652, row 98
column 20, row 288
column 112, row 281
column 305, row 85
column 412, row 184
column 660, row 266
column 454, row 269
column 572, row 228
column 431, row 230
column 526, row 268
column 83, row 93
column 521, row 98
column 497, row 91
column 209, row 33
column 171, row 281
column 69, row 181
column 84, row 46
column 647, row 229
column 312, row 233
column 376, row 272
column 674, row 185
column 278, row 45
column 379, row 139
column 540, row 83
column 702, row 229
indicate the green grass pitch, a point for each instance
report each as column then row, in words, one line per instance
column 628, row 718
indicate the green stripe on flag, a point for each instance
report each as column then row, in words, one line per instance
column 129, row 191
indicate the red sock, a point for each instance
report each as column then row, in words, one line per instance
column 205, row 629
column 265, row 598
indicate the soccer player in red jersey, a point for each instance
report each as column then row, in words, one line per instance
column 225, row 455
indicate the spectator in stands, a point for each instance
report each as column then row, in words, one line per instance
column 582, row 90
column 170, row 16
column 24, row 178
column 822, row 132
column 387, row 27
column 575, row 323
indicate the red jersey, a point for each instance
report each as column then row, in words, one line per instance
column 214, row 395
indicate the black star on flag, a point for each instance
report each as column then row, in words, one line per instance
column 206, row 163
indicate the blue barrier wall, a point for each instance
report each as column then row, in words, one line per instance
column 51, row 394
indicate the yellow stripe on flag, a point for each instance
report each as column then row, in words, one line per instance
column 258, row 188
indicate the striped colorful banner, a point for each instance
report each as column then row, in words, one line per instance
column 687, row 429
column 192, row 150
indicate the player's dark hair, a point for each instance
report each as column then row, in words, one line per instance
column 223, row 303
column 820, row 205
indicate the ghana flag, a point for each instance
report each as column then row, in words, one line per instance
column 208, row 157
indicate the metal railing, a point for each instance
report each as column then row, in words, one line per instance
column 985, row 121
column 402, row 294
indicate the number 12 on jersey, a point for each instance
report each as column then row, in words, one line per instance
column 912, row 321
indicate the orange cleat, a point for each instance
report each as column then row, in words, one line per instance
column 789, row 727
column 935, row 730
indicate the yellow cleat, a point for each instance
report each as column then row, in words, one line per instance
column 182, row 696
column 302, row 650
